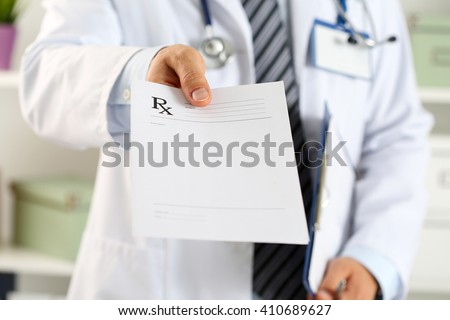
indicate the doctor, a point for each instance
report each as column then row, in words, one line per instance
column 76, row 91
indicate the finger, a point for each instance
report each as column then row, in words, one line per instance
column 323, row 295
column 160, row 73
column 352, row 290
column 188, row 64
column 335, row 273
column 361, row 286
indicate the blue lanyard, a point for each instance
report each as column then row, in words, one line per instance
column 340, row 19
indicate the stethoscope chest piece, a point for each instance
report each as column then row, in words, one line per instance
column 216, row 52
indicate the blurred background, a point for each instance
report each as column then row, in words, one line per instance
column 45, row 190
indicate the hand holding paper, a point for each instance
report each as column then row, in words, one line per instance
column 224, row 172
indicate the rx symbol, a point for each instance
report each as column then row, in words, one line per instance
column 160, row 104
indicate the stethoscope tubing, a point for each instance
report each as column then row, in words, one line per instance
column 367, row 42
column 206, row 13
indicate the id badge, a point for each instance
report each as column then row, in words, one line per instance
column 332, row 51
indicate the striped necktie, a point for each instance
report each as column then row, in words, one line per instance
column 277, row 268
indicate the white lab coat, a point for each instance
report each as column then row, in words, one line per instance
column 67, row 77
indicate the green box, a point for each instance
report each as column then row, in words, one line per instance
column 430, row 37
column 50, row 214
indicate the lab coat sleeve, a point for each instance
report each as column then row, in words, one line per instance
column 118, row 111
column 69, row 71
column 390, row 197
column 381, row 268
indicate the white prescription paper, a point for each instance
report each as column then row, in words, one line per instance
column 224, row 197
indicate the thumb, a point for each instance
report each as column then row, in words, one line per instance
column 190, row 67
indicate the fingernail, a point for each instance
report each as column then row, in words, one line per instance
column 324, row 295
column 200, row 94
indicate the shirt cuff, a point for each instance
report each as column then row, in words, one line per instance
column 380, row 267
column 118, row 112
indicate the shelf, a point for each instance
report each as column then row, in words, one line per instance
column 24, row 261
column 9, row 79
column 435, row 95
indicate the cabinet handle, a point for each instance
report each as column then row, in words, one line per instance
column 441, row 56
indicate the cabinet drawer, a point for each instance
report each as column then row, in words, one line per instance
column 438, row 180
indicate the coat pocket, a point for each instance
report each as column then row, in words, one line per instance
column 111, row 269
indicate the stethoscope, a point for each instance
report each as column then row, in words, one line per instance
column 357, row 37
column 217, row 51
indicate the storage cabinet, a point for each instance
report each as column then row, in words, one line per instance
column 431, row 273
column 438, row 181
